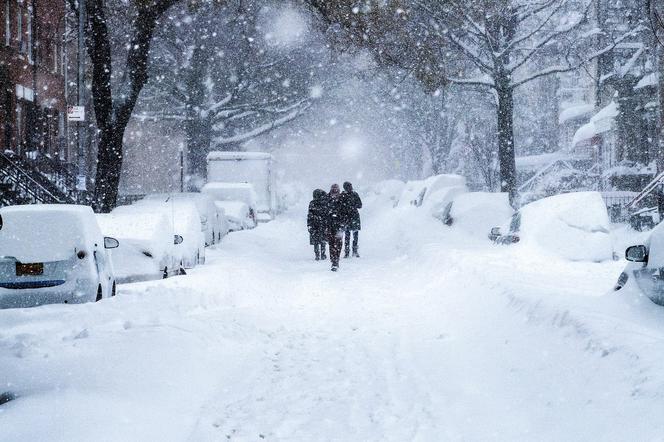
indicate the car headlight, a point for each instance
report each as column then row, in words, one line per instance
column 622, row 280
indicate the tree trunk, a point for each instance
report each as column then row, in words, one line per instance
column 112, row 115
column 198, row 127
column 109, row 167
column 506, row 158
column 199, row 135
column 660, row 131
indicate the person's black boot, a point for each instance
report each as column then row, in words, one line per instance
column 356, row 254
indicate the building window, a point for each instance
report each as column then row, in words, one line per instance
column 19, row 26
column 19, row 127
column 8, row 25
column 29, row 32
column 55, row 58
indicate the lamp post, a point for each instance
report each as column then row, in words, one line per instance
column 80, row 99
column 181, row 151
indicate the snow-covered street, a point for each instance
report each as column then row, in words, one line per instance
column 431, row 335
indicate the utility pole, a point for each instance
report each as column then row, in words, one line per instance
column 81, row 185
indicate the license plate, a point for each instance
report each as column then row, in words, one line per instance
column 32, row 269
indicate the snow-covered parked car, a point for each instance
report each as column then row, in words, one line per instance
column 415, row 193
column 644, row 219
column 385, row 193
column 234, row 192
column 186, row 223
column 210, row 222
column 53, row 254
column 238, row 215
column 645, row 270
column 438, row 202
column 476, row 212
column 222, row 219
column 146, row 249
column 574, row 226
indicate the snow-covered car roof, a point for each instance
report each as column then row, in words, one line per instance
column 151, row 231
column 231, row 192
column 202, row 200
column 135, row 225
column 47, row 232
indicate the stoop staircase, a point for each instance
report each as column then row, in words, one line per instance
column 34, row 181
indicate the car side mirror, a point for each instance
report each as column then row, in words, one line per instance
column 111, row 243
column 177, row 239
column 636, row 254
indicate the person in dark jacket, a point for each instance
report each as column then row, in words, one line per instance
column 317, row 219
column 335, row 220
column 351, row 203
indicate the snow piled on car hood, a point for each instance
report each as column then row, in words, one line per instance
column 574, row 226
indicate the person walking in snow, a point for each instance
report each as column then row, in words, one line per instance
column 351, row 203
column 317, row 219
column 335, row 222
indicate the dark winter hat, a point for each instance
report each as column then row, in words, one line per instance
column 348, row 187
column 318, row 193
column 334, row 190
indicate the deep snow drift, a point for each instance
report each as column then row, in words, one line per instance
column 432, row 335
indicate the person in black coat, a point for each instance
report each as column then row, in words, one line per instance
column 317, row 219
column 351, row 203
column 335, row 220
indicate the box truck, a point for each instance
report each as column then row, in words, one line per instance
column 255, row 168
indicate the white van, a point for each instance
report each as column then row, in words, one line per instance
column 53, row 254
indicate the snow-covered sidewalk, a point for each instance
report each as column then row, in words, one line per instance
column 430, row 336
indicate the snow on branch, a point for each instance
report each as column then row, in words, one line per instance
column 483, row 82
column 263, row 129
column 559, row 69
column 541, row 25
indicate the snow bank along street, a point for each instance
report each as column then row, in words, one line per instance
column 432, row 335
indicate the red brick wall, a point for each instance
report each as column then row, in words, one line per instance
column 41, row 76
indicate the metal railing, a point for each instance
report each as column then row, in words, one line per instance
column 25, row 189
column 50, row 179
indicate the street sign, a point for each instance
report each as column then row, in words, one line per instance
column 81, row 183
column 76, row 113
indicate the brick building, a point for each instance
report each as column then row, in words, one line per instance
column 32, row 78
